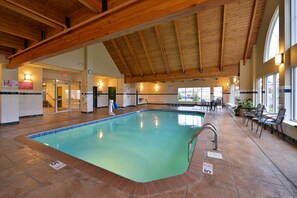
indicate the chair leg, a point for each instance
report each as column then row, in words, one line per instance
column 258, row 127
column 252, row 124
column 247, row 122
column 261, row 130
column 282, row 131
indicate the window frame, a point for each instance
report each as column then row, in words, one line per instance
column 275, row 93
column 294, row 93
column 293, row 22
column 269, row 35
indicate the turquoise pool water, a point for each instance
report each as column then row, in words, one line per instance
column 142, row 146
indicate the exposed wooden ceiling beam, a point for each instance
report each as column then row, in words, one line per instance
column 111, row 24
column 179, row 45
column 31, row 14
column 223, row 37
column 209, row 72
column 119, row 53
column 10, row 25
column 11, row 41
column 146, row 52
column 163, row 51
column 199, row 43
column 93, row 5
column 133, row 55
column 248, row 40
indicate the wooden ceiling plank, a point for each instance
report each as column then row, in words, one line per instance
column 199, row 42
column 179, row 45
column 11, row 26
column 92, row 5
column 163, row 51
column 132, row 52
column 11, row 42
column 111, row 24
column 119, row 53
column 248, row 40
column 31, row 14
column 146, row 52
column 209, row 72
column 223, row 37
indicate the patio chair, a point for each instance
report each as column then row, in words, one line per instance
column 274, row 121
column 258, row 116
column 250, row 114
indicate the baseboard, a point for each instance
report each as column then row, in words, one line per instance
column 9, row 123
column 28, row 116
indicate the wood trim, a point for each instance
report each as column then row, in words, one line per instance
column 113, row 23
column 121, row 57
column 133, row 54
column 209, row 72
column 248, row 40
column 31, row 14
column 146, row 52
column 179, row 45
column 223, row 37
column 200, row 67
column 163, row 51
column 92, row 5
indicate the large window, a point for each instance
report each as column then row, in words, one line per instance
column 259, row 91
column 193, row 94
column 217, row 92
column 271, row 93
column 294, row 21
column 294, row 93
column 272, row 38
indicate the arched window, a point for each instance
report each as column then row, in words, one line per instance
column 272, row 38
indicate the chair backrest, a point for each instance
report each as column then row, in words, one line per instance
column 261, row 110
column 280, row 116
column 258, row 108
column 219, row 101
column 203, row 101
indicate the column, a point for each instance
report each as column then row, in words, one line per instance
column 284, row 45
column 87, row 82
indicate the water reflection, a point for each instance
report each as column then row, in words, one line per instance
column 190, row 120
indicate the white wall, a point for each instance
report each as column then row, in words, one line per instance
column 103, row 63
column 73, row 60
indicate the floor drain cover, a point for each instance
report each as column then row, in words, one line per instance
column 207, row 168
column 214, row 155
column 57, row 165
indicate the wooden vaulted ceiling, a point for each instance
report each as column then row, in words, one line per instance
column 149, row 40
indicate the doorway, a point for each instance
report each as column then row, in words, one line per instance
column 60, row 96
column 112, row 93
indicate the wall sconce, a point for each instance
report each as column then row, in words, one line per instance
column 157, row 87
column 27, row 77
column 228, row 84
column 141, row 87
column 100, row 84
column 279, row 59
column 236, row 80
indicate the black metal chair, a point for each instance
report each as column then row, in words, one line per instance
column 258, row 116
column 273, row 121
column 250, row 114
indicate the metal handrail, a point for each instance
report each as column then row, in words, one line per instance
column 197, row 133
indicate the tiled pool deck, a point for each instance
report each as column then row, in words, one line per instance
column 251, row 167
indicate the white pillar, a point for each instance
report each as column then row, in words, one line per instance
column 87, row 82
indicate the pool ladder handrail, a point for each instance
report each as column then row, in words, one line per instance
column 197, row 133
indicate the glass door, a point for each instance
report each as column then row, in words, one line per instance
column 62, row 96
column 49, row 96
